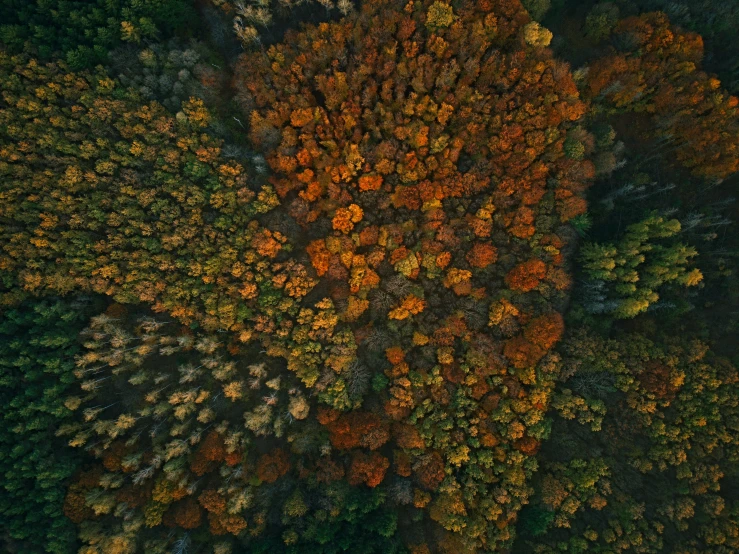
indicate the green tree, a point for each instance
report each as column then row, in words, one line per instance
column 85, row 31
column 38, row 343
column 360, row 521
column 537, row 8
column 658, row 475
column 626, row 276
column 601, row 20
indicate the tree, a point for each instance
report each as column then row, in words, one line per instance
column 38, row 343
column 84, row 32
column 358, row 428
column 630, row 273
column 640, row 478
column 601, row 20
column 537, row 8
column 527, row 275
column 658, row 71
column 148, row 179
column 367, row 468
column 273, row 465
column 536, row 35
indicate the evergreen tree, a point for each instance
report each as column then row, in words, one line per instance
column 83, row 32
column 38, row 343
column 631, row 271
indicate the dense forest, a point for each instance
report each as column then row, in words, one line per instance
column 369, row 276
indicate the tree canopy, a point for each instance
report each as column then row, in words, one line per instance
column 390, row 276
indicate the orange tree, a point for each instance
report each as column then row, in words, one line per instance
column 421, row 145
column 656, row 69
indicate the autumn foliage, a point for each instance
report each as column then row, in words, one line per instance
column 368, row 469
column 331, row 321
column 421, row 148
column 527, row 275
column 377, row 146
column 212, row 449
column 273, row 465
column 366, row 321
column 659, row 72
column 149, row 183
column 329, row 300
column 357, row 429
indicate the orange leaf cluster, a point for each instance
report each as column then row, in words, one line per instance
column 430, row 471
column 357, row 429
column 659, row 73
column 545, row 331
column 527, row 275
column 211, row 450
column 370, row 182
column 411, row 305
column 407, row 436
column 481, row 255
column 345, row 218
column 273, row 465
column 369, row 469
